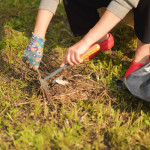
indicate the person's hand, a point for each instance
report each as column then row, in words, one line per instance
column 74, row 52
column 34, row 52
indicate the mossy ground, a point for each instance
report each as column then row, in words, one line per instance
column 116, row 120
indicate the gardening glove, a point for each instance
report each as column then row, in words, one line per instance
column 34, row 52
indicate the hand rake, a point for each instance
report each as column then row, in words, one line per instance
column 95, row 48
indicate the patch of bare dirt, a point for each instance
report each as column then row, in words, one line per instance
column 78, row 88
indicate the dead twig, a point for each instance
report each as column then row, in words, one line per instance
column 4, row 109
column 25, row 103
column 9, row 116
column 45, row 104
column 44, row 98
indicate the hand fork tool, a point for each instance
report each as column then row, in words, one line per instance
column 88, row 52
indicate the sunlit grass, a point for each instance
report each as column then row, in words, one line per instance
column 116, row 121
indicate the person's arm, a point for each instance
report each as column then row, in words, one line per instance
column 103, row 26
column 116, row 11
column 121, row 7
column 50, row 5
column 43, row 19
column 46, row 11
column 34, row 52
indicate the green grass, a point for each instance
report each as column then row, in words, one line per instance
column 116, row 121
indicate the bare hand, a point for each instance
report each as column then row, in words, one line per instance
column 74, row 52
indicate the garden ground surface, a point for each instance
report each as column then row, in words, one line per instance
column 87, row 113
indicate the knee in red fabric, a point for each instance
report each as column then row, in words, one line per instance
column 106, row 45
column 134, row 66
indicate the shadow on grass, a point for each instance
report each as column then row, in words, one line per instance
column 17, row 17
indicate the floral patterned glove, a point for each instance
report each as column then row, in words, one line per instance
column 34, row 52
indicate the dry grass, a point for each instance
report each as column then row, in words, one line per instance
column 88, row 113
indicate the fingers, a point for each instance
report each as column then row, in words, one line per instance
column 77, row 58
column 63, row 63
column 66, row 59
column 30, row 63
column 69, row 58
column 72, row 57
column 34, row 52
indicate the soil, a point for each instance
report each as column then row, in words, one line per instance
column 79, row 87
